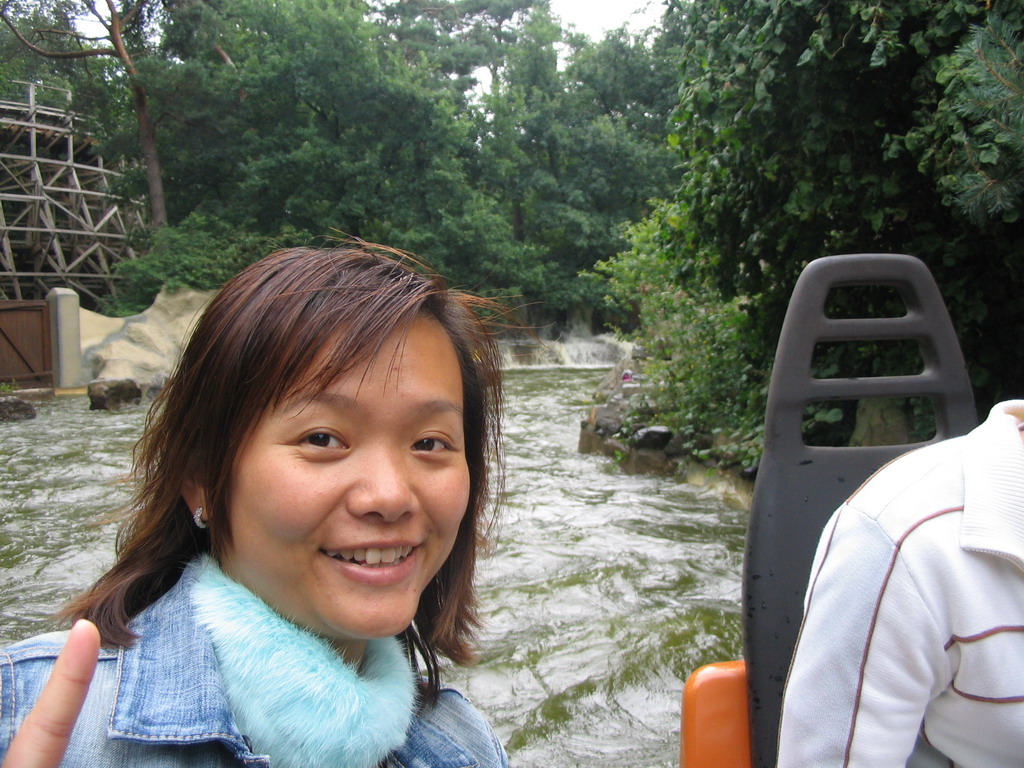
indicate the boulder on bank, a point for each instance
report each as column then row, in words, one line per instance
column 113, row 394
column 142, row 347
column 15, row 409
column 655, row 438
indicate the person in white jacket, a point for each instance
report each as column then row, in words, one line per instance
column 911, row 651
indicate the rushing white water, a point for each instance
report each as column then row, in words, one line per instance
column 603, row 593
column 582, row 350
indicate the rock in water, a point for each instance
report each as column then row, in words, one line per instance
column 15, row 409
column 113, row 394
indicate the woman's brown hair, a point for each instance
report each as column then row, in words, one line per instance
column 290, row 325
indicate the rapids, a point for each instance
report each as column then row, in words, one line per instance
column 603, row 593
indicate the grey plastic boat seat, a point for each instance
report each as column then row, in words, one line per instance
column 798, row 486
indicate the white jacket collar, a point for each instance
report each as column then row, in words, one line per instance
column 993, row 519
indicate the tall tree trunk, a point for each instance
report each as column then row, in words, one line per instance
column 147, row 140
column 147, row 128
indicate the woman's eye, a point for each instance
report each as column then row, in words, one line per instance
column 321, row 440
column 429, row 444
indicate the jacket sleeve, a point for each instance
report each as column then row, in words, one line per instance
column 869, row 657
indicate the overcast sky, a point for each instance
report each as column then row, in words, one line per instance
column 595, row 17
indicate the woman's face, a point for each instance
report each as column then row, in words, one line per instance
column 344, row 505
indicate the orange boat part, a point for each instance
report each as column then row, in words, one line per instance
column 715, row 731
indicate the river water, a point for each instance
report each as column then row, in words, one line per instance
column 603, row 593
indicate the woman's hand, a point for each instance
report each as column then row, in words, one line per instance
column 43, row 737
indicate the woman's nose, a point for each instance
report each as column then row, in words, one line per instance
column 381, row 486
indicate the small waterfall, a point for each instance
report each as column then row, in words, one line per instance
column 584, row 350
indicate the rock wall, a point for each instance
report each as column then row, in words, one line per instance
column 142, row 347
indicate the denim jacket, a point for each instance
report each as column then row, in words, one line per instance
column 160, row 703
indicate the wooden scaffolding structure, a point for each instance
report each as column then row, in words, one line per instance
column 59, row 225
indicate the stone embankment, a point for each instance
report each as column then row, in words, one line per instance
column 649, row 448
column 143, row 347
column 128, row 357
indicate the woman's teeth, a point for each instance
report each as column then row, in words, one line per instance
column 372, row 556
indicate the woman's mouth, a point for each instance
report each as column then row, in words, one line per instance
column 376, row 557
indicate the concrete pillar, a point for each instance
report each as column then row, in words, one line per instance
column 65, row 338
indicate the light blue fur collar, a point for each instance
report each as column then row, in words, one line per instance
column 291, row 693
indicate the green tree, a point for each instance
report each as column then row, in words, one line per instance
column 279, row 120
column 805, row 130
column 290, row 119
column 18, row 63
column 126, row 34
column 576, row 151
column 695, row 349
column 991, row 99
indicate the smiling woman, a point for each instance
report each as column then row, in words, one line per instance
column 312, row 485
column 373, row 466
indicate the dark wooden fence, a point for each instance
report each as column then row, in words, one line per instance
column 25, row 356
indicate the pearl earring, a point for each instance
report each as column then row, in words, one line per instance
column 197, row 517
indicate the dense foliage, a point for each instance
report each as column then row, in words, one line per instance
column 511, row 153
column 806, row 129
column 478, row 134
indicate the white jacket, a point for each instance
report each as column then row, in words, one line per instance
column 912, row 647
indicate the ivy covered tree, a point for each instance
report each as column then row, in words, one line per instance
column 805, row 129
